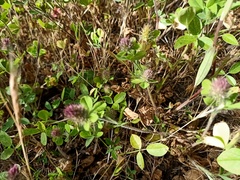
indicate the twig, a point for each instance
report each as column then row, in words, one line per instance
column 151, row 99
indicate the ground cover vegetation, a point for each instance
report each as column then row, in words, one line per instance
column 119, row 89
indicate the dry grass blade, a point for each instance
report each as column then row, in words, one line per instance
column 16, row 108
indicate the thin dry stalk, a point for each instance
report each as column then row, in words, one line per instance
column 16, row 108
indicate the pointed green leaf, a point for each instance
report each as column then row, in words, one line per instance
column 205, row 66
column 8, row 124
column 157, row 149
column 84, row 89
column 186, row 15
column 6, row 5
column 137, row 56
column 87, row 102
column 184, row 40
column 88, row 141
column 99, row 106
column 85, row 134
column 136, row 141
column 108, row 99
column 235, row 68
column 230, row 39
column 41, row 126
column 231, row 80
column 119, row 97
column 41, row 23
column 137, row 80
column 140, row 160
column 31, row 131
column 195, row 27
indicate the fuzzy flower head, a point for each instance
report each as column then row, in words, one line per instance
column 125, row 43
column 219, row 87
column 13, row 172
column 147, row 74
column 75, row 112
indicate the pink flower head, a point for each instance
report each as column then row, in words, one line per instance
column 13, row 172
column 56, row 12
column 75, row 112
column 125, row 43
column 147, row 74
column 220, row 86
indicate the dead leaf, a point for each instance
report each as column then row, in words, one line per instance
column 87, row 161
column 193, row 174
column 130, row 114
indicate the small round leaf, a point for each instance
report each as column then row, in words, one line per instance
column 157, row 149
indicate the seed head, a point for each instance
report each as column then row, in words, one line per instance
column 145, row 33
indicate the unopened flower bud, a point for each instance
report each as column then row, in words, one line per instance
column 5, row 43
column 56, row 132
column 13, row 172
